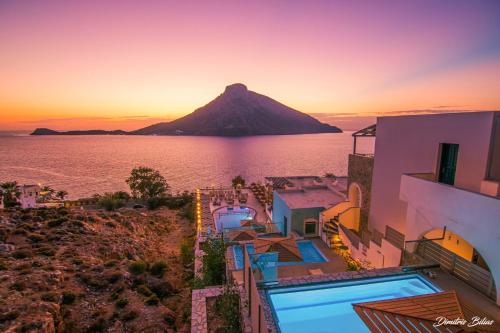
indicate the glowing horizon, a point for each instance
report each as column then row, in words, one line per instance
column 125, row 65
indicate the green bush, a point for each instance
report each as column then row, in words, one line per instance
column 188, row 212
column 170, row 201
column 110, row 263
column 110, row 224
column 114, row 276
column 3, row 266
column 18, row 285
column 152, row 300
column 161, row 289
column 46, row 251
column 227, row 307
column 110, row 202
column 68, row 297
column 158, row 268
column 98, row 326
column 49, row 297
column 138, row 267
column 21, row 254
column 57, row 222
column 214, row 262
column 144, row 290
column 130, row 315
column 121, row 303
column 35, row 238
column 92, row 281
column 187, row 252
column 11, row 315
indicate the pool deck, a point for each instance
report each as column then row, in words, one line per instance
column 252, row 202
column 447, row 282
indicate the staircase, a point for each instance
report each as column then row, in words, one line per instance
column 331, row 229
column 348, row 218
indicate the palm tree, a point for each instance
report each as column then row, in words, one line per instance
column 10, row 193
column 46, row 193
column 61, row 194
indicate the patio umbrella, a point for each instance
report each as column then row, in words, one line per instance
column 242, row 235
column 286, row 247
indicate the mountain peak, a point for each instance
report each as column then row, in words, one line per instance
column 236, row 90
column 240, row 112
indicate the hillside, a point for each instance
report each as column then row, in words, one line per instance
column 240, row 112
column 93, row 271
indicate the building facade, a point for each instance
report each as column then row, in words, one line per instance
column 437, row 178
column 29, row 195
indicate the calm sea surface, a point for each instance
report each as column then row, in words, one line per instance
column 84, row 165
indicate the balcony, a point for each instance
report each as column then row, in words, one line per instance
column 472, row 215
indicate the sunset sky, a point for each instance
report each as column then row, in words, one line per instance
column 126, row 64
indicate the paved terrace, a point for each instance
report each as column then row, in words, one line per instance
column 319, row 196
column 334, row 264
column 447, row 281
column 252, row 202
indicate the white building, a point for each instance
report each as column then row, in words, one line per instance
column 29, row 195
column 435, row 177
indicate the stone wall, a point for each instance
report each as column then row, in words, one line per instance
column 360, row 171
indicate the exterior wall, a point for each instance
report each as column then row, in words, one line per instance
column 280, row 211
column 299, row 215
column 350, row 218
column 330, row 213
column 471, row 215
column 411, row 145
column 360, row 172
column 452, row 242
column 385, row 255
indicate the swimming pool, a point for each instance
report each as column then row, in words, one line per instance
column 310, row 253
column 328, row 307
column 231, row 217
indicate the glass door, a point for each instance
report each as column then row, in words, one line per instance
column 448, row 163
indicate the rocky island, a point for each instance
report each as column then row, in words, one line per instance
column 236, row 112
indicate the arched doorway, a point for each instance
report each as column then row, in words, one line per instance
column 354, row 195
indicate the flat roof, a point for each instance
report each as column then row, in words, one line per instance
column 310, row 197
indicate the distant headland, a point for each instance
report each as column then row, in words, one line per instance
column 236, row 112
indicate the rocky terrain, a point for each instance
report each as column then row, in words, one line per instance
column 93, row 271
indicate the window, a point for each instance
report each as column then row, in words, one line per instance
column 310, row 228
column 448, row 163
column 494, row 168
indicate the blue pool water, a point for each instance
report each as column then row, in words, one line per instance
column 232, row 217
column 310, row 253
column 328, row 308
